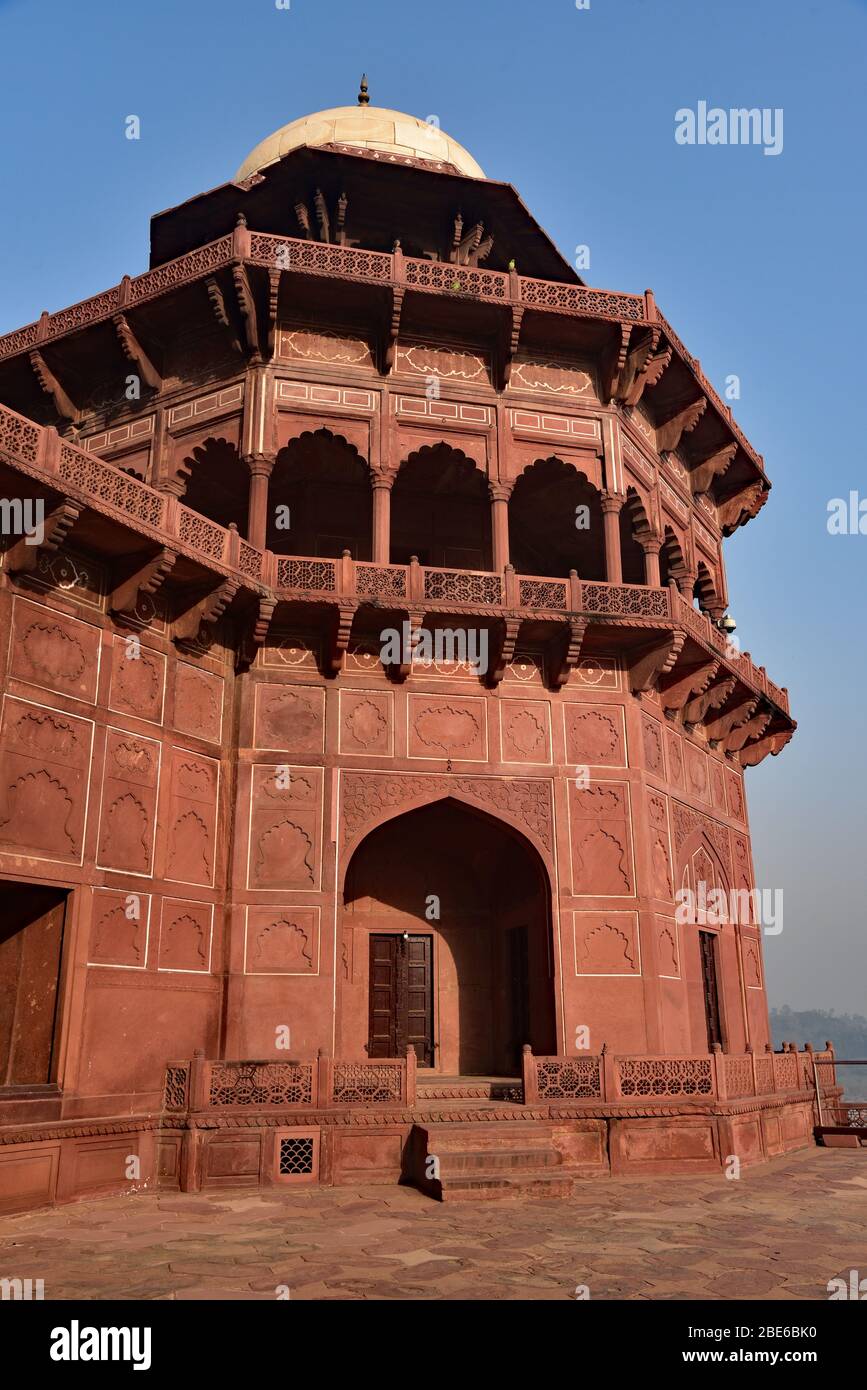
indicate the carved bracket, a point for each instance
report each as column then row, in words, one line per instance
column 652, row 661
column 146, row 577
column 204, row 610
column 687, row 680
column 749, row 731
column 340, row 633
column 221, row 313
column 732, row 718
column 683, row 421
column 713, row 466
column 511, row 338
column 247, row 306
column 22, row 557
column 257, row 633
column 742, row 506
column 65, row 408
column 504, row 648
column 613, row 361
column 135, row 353
column 774, row 743
column 714, row 697
column 566, row 652
column 392, row 329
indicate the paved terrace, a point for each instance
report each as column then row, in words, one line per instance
column 780, row 1232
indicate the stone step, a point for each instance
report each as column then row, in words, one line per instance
column 493, row 1136
column 495, row 1162
column 480, row 1187
column 430, row 1088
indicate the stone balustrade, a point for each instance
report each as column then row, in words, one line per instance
column 351, row 263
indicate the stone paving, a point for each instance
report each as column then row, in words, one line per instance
column 781, row 1231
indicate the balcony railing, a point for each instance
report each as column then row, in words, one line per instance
column 352, row 263
column 100, row 486
column 323, row 1083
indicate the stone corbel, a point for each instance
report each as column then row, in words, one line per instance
column 655, row 659
column 65, row 408
column 135, row 353
column 682, row 421
column 748, row 732
column 203, row 611
column 566, row 652
column 756, row 752
column 686, row 682
column 22, row 557
column 714, row 697
column 504, row 648
column 742, row 506
column 257, row 633
column 273, row 300
column 719, row 728
column 714, row 465
column 247, row 306
column 511, row 339
column 614, row 361
column 392, row 329
column 148, row 574
column 221, row 313
column 340, row 634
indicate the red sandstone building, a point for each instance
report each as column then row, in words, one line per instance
column 279, row 905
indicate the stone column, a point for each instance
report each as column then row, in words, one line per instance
column 651, row 545
column 382, row 484
column 500, row 494
column 612, row 503
column 261, row 467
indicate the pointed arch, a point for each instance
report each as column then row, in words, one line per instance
column 217, row 482
column 440, row 510
column 555, row 522
column 319, row 498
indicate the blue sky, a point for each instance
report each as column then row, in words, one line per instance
column 758, row 262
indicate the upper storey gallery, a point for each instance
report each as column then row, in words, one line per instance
column 364, row 334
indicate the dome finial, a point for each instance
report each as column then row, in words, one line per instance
column 363, row 95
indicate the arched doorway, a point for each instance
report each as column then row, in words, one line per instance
column 447, row 916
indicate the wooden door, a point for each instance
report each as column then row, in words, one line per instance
column 31, row 945
column 710, row 988
column 519, row 984
column 401, row 996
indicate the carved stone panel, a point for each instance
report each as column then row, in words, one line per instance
column 600, row 672
column 198, row 702
column 667, row 948
column 717, row 786
column 660, row 847
column 290, row 718
column 735, row 796
column 752, row 953
column 654, row 757
column 601, row 837
column 186, row 929
column 138, row 678
column 595, row 735
column 119, row 929
column 447, row 727
column 192, row 819
column 675, row 759
column 44, row 767
column 282, row 941
column 54, row 651
column 285, row 827
column 606, row 943
column 366, row 722
column 698, row 773
column 129, row 800
column 525, row 731
column 368, row 799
